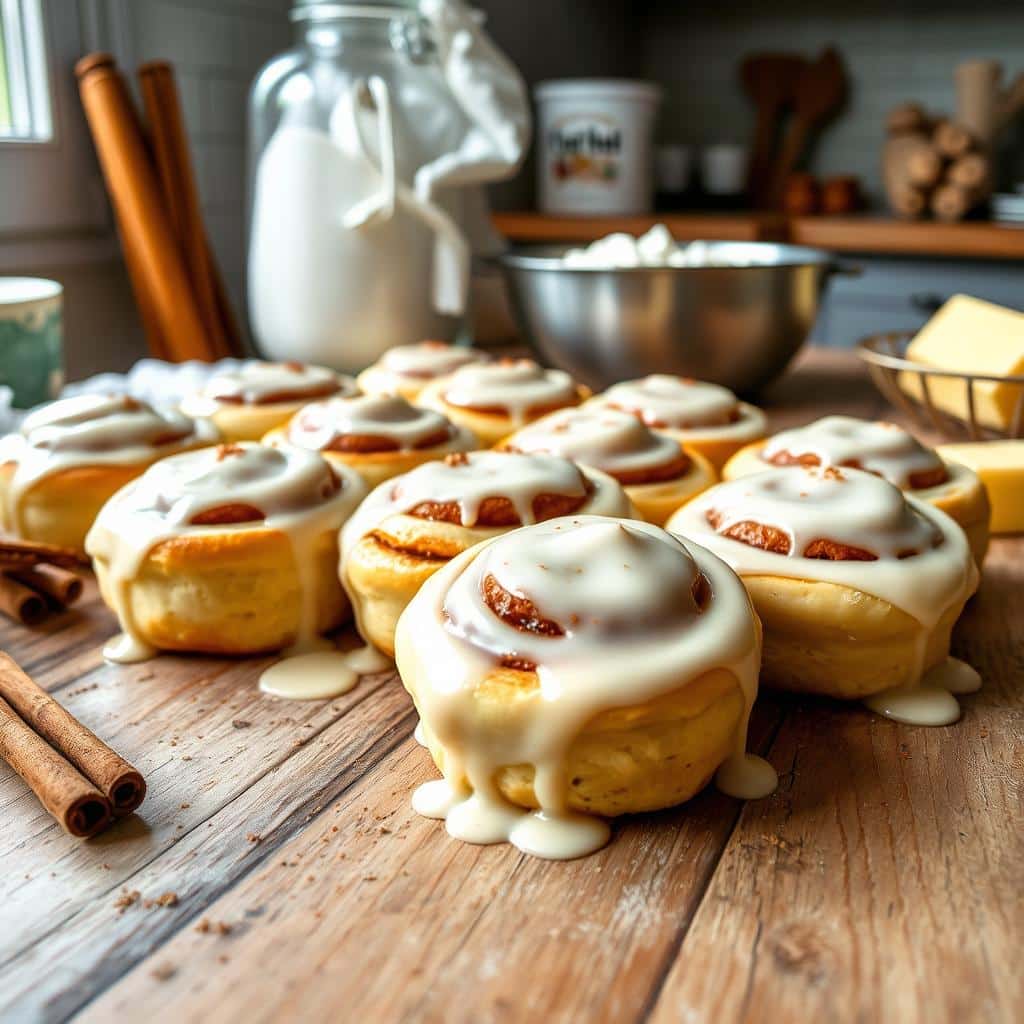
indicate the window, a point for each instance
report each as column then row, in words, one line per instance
column 25, row 114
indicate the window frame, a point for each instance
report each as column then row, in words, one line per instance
column 29, row 74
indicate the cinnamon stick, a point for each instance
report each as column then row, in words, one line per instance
column 121, row 784
column 79, row 807
column 139, row 204
column 21, row 554
column 20, row 602
column 177, row 181
column 60, row 586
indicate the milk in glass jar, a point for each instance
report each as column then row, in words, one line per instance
column 370, row 143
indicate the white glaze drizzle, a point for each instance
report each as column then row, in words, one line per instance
column 516, row 386
column 622, row 591
column 427, row 359
column 256, row 382
column 878, row 447
column 318, row 425
column 850, row 507
column 92, row 430
column 608, row 439
column 293, row 488
column 933, row 701
column 321, row 675
column 664, row 400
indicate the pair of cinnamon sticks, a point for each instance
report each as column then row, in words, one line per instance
column 178, row 287
column 37, row 578
column 76, row 776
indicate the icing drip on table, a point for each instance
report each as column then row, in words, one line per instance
column 515, row 387
column 614, row 442
column 622, row 625
column 388, row 420
column 92, row 430
column 323, row 674
column 933, row 701
column 679, row 403
column 881, row 448
column 259, row 383
column 288, row 490
column 427, row 359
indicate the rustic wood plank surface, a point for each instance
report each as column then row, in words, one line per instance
column 881, row 882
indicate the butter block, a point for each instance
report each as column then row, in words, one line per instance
column 1000, row 464
column 970, row 335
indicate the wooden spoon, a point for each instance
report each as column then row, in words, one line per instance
column 769, row 80
column 820, row 92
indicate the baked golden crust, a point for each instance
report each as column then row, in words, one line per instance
column 719, row 443
column 625, row 760
column 835, row 641
column 206, row 591
column 240, row 422
column 962, row 496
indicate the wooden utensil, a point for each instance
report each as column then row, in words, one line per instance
column 770, row 80
column 820, row 93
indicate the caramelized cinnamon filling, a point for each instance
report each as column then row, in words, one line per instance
column 733, row 416
column 500, row 511
column 769, row 538
column 223, row 515
column 671, row 470
column 368, row 444
column 328, row 387
column 533, row 412
column 916, row 481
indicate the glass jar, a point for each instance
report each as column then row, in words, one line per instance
column 351, row 248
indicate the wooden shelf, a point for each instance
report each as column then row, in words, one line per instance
column 686, row 227
column 970, row 240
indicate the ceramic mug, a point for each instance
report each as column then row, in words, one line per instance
column 31, row 332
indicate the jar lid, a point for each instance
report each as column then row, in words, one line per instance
column 365, row 8
column 594, row 88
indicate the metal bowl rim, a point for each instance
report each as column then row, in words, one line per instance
column 549, row 258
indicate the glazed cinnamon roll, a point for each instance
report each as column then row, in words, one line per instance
column 244, row 404
column 656, row 471
column 228, row 550
column 71, row 455
column 857, row 584
column 494, row 399
column 584, row 668
column 410, row 526
column 407, row 369
column 882, row 448
column 706, row 417
column 379, row 436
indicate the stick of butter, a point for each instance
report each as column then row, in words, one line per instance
column 1000, row 464
column 971, row 336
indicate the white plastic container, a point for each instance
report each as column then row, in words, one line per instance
column 595, row 146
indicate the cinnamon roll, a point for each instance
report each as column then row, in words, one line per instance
column 706, row 417
column 494, row 399
column 581, row 668
column 655, row 470
column 228, row 550
column 407, row 369
column 882, row 448
column 412, row 525
column 379, row 436
column 244, row 404
column 858, row 585
column 71, row 455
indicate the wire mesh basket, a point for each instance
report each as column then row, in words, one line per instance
column 953, row 404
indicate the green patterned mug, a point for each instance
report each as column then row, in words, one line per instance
column 31, row 330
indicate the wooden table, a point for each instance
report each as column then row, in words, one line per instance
column 882, row 881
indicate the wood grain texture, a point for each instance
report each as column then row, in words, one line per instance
column 881, row 882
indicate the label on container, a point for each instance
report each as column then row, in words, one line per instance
column 584, row 148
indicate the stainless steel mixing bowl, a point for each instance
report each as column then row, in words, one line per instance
column 737, row 324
